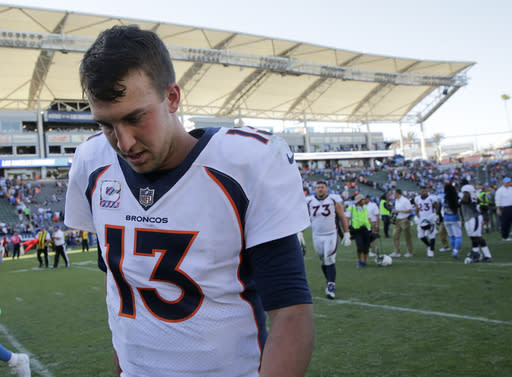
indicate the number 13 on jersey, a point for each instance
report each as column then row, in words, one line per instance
column 170, row 247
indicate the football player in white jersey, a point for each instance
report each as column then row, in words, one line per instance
column 325, row 210
column 194, row 236
column 473, row 220
column 426, row 208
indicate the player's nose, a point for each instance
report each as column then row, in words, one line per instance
column 125, row 140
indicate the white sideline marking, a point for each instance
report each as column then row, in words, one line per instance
column 426, row 312
column 84, row 263
column 35, row 365
column 403, row 260
column 87, row 268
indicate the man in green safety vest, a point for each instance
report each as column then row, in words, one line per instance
column 385, row 207
column 360, row 228
column 483, row 204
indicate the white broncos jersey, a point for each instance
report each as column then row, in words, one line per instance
column 323, row 213
column 173, row 243
column 425, row 206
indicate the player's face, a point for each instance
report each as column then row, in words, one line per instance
column 423, row 193
column 321, row 190
column 141, row 125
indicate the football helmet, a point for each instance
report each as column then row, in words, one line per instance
column 384, row 260
column 426, row 225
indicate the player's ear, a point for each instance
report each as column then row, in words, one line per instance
column 173, row 96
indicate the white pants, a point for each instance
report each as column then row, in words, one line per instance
column 325, row 247
column 474, row 226
column 431, row 234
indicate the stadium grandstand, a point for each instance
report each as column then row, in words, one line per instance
column 223, row 74
column 227, row 78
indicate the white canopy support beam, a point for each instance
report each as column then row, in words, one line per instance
column 283, row 65
column 422, row 143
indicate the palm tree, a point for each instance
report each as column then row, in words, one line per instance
column 437, row 140
column 505, row 98
column 410, row 138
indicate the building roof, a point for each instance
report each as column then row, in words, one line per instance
column 226, row 73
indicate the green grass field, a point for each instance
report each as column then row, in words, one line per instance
column 419, row 317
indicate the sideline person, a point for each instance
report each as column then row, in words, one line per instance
column 402, row 210
column 373, row 215
column 193, row 232
column 43, row 240
column 59, row 243
column 326, row 210
column 16, row 244
column 452, row 222
column 361, row 228
column 504, row 207
column 472, row 221
column 385, row 208
column 426, row 206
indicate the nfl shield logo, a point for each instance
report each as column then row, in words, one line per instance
column 146, row 196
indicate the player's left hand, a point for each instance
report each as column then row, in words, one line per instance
column 346, row 239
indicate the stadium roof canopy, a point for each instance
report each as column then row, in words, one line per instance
column 227, row 74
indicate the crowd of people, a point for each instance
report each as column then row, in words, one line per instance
column 38, row 207
column 448, row 200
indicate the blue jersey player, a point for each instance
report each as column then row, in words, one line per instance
column 196, row 231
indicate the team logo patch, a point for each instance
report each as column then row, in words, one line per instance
column 110, row 194
column 146, row 197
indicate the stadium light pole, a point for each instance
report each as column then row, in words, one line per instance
column 422, row 142
column 401, row 139
column 506, row 98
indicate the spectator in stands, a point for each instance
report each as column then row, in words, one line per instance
column 402, row 209
column 504, row 207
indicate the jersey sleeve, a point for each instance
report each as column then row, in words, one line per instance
column 277, row 206
column 337, row 198
column 279, row 273
column 77, row 214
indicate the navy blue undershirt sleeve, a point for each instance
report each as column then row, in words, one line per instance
column 279, row 273
column 101, row 263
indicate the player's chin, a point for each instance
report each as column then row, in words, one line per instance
column 140, row 167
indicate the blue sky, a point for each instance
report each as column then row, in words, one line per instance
column 446, row 30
